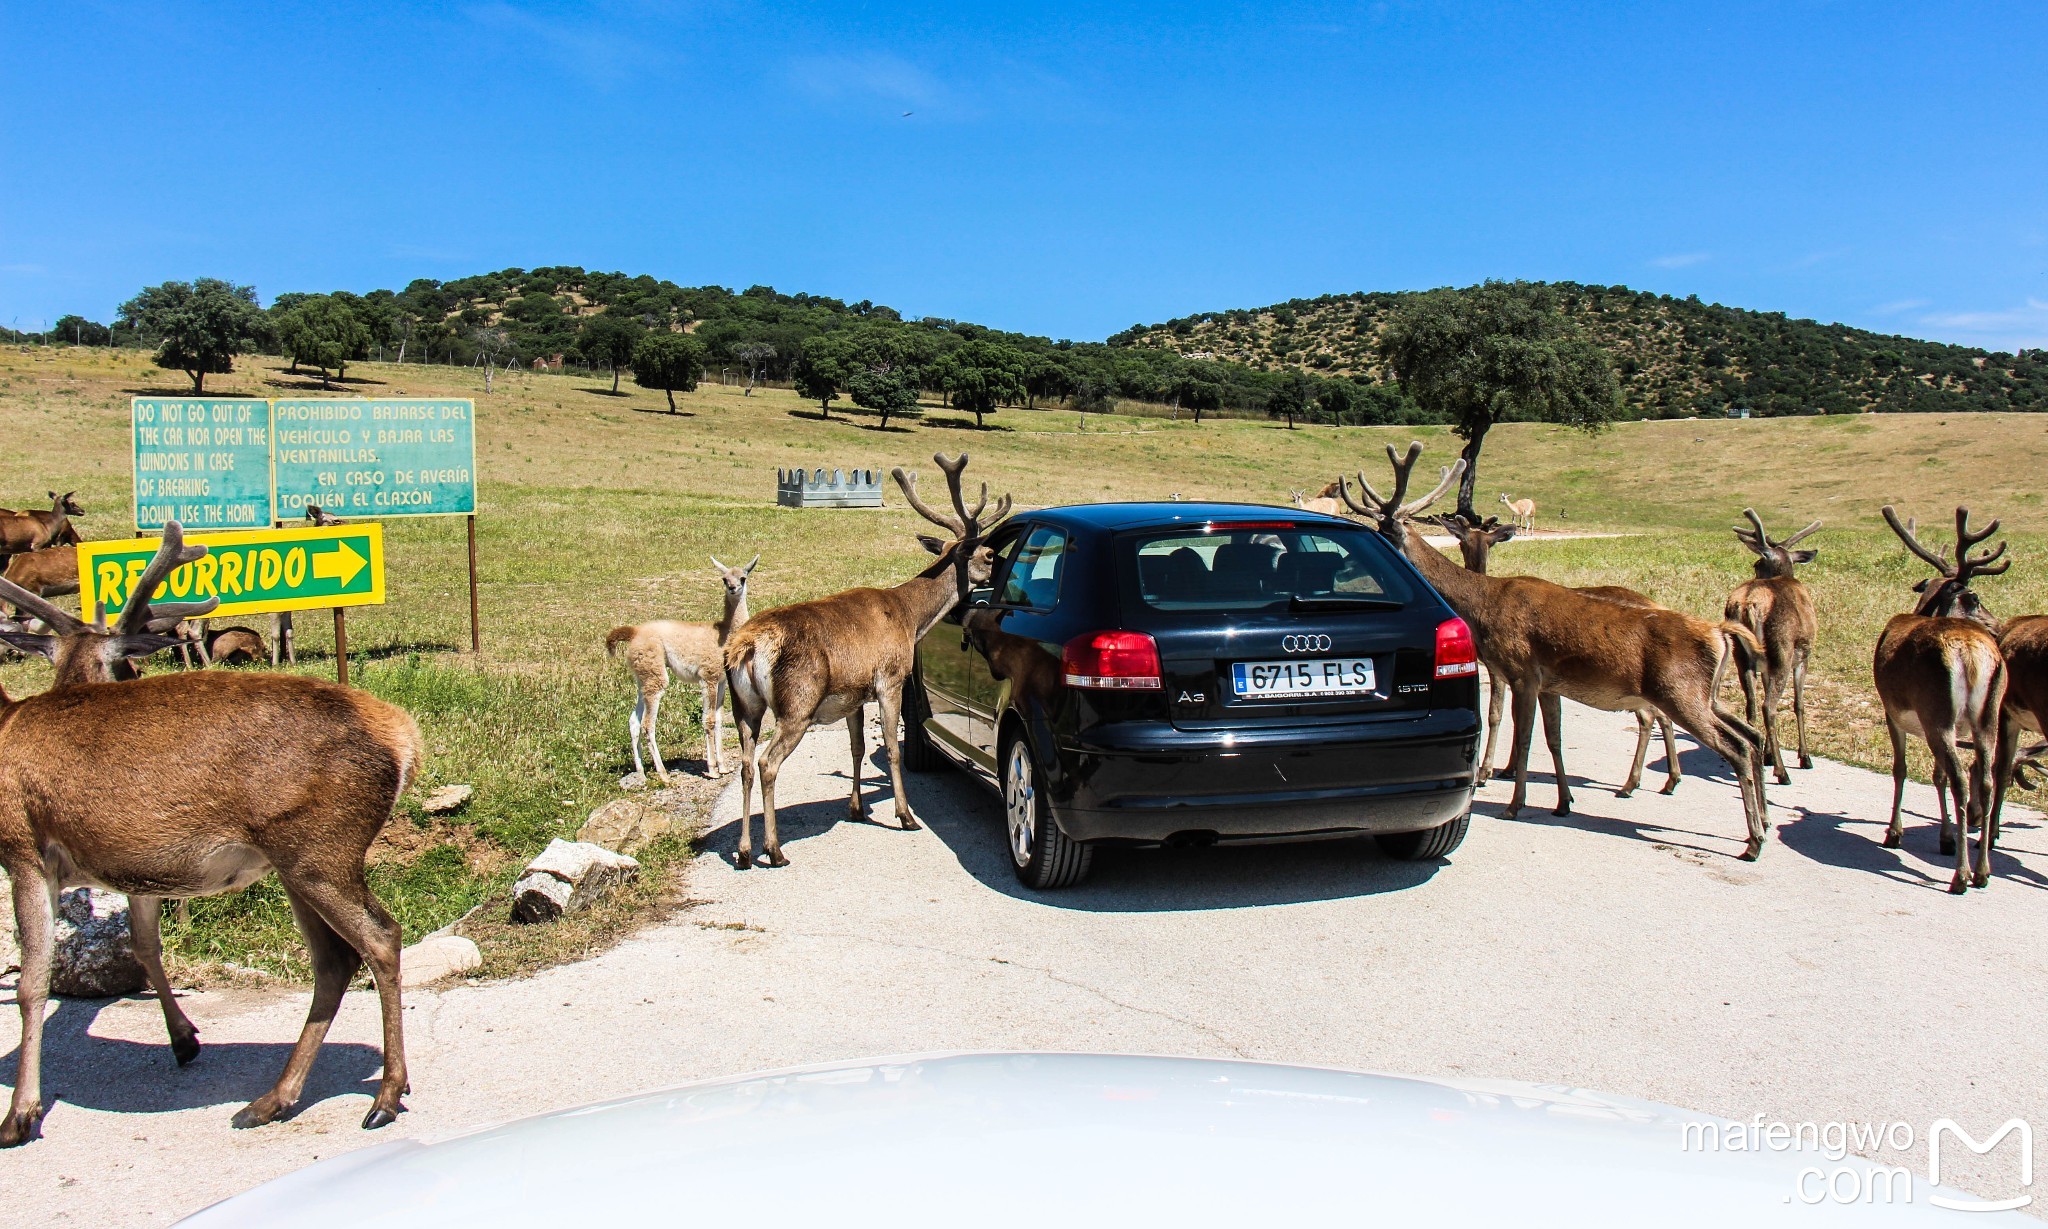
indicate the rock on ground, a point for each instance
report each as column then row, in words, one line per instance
column 95, row 957
column 626, row 824
column 436, row 957
column 446, row 799
column 566, row 877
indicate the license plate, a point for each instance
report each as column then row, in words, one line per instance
column 1329, row 676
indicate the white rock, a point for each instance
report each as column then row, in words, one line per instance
column 626, row 824
column 566, row 877
column 95, row 958
column 435, row 957
column 447, row 798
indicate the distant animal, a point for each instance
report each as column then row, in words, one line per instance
column 49, row 572
column 1779, row 608
column 234, row 646
column 321, row 516
column 21, row 532
column 1325, row 501
column 691, row 651
column 1524, row 511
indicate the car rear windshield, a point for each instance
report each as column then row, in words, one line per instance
column 1263, row 567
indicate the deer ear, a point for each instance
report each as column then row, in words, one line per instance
column 1801, row 556
column 932, row 544
column 30, row 642
column 1501, row 533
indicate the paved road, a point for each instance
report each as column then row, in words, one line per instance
column 1623, row 949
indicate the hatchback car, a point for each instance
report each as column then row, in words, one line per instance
column 1185, row 673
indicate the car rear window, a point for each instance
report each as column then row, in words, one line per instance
column 1230, row 568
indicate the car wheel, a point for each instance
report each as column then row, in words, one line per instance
column 1042, row 855
column 918, row 753
column 1427, row 844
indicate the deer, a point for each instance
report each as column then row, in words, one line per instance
column 1325, row 501
column 321, row 517
column 1777, row 606
column 1476, row 540
column 2023, row 643
column 693, row 652
column 21, row 532
column 185, row 785
column 49, row 572
column 1941, row 676
column 1553, row 642
column 813, row 663
column 1523, row 511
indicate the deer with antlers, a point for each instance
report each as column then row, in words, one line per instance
column 1942, row 677
column 1554, row 643
column 1476, row 540
column 1779, row 609
column 190, row 785
column 693, row 652
column 821, row 661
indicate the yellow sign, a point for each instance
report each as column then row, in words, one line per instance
column 254, row 571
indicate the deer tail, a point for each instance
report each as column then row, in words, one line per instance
column 616, row 637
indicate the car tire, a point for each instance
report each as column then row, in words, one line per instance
column 918, row 753
column 1043, row 856
column 1426, row 845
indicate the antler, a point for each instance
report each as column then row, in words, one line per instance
column 1755, row 539
column 1377, row 505
column 1906, row 535
column 61, row 621
column 137, row 614
column 1794, row 539
column 1986, row 564
column 965, row 523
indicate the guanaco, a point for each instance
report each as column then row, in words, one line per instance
column 693, row 652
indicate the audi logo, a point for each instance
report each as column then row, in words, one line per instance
column 1305, row 644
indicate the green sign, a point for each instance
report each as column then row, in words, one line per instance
column 203, row 462
column 380, row 458
column 256, row 572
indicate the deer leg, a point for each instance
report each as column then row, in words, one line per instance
column 1946, row 841
column 1774, row 691
column 749, row 729
column 1673, row 774
column 653, row 741
column 1635, row 770
column 714, row 744
column 35, row 928
column 1524, row 701
column 1895, row 831
column 856, row 737
column 1737, row 742
column 890, row 701
column 787, row 735
column 334, row 964
column 1553, row 733
column 354, row 913
column 1799, row 706
column 634, row 724
column 1981, row 804
column 145, row 915
column 1948, row 765
column 1496, row 699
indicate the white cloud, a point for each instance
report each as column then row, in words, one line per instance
column 2013, row 328
column 602, row 52
column 1680, row 260
column 878, row 75
column 1896, row 306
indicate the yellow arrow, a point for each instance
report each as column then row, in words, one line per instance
column 341, row 564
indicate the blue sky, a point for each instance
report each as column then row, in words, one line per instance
column 1062, row 170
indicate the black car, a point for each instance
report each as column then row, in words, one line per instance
column 1187, row 673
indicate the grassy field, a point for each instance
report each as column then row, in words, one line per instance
column 598, row 510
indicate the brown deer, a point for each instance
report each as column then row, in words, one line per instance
column 694, row 652
column 1942, row 677
column 1778, row 607
column 235, row 646
column 321, row 517
column 821, row 661
column 1324, row 501
column 1476, row 540
column 1523, row 510
column 49, row 572
column 21, row 532
column 189, row 785
column 1555, row 643
column 2024, row 645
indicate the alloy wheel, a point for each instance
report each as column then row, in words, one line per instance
column 1020, row 804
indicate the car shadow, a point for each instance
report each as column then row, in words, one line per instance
column 130, row 1077
column 968, row 818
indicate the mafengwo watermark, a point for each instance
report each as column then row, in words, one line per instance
column 1849, row 1179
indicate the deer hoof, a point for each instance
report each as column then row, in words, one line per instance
column 775, row 858
column 1670, row 787
column 1806, row 761
column 380, row 1117
column 260, row 1112
column 185, row 1049
column 910, row 823
column 1625, row 793
column 742, row 860
column 1957, row 887
column 1784, row 778
column 22, row 1126
column 1752, row 851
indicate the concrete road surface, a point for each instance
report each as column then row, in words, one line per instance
column 1623, row 949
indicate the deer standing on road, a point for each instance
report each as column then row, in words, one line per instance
column 1942, row 677
column 1553, row 642
column 190, row 785
column 1523, row 511
column 694, row 652
column 1476, row 540
column 1778, row 607
column 821, row 661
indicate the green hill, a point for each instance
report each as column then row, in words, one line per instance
column 1676, row 357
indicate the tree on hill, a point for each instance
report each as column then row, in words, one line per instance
column 609, row 340
column 756, row 355
column 886, row 369
column 670, row 362
column 1501, row 352
column 323, row 332
column 199, row 326
column 1293, row 395
column 79, row 331
column 821, row 371
column 982, row 375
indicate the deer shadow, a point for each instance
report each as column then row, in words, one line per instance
column 795, row 822
column 1827, row 837
column 132, row 1077
column 967, row 817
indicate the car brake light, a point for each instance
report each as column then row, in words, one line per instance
column 1112, row 661
column 1455, row 653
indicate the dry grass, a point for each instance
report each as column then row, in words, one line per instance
column 598, row 510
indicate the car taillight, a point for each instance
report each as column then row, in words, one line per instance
column 1112, row 661
column 1455, row 653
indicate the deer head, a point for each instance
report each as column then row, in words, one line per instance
column 1949, row 596
column 973, row 563
column 1388, row 513
column 1773, row 558
column 735, row 582
column 65, row 505
column 1476, row 538
column 95, row 652
column 1300, row 498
